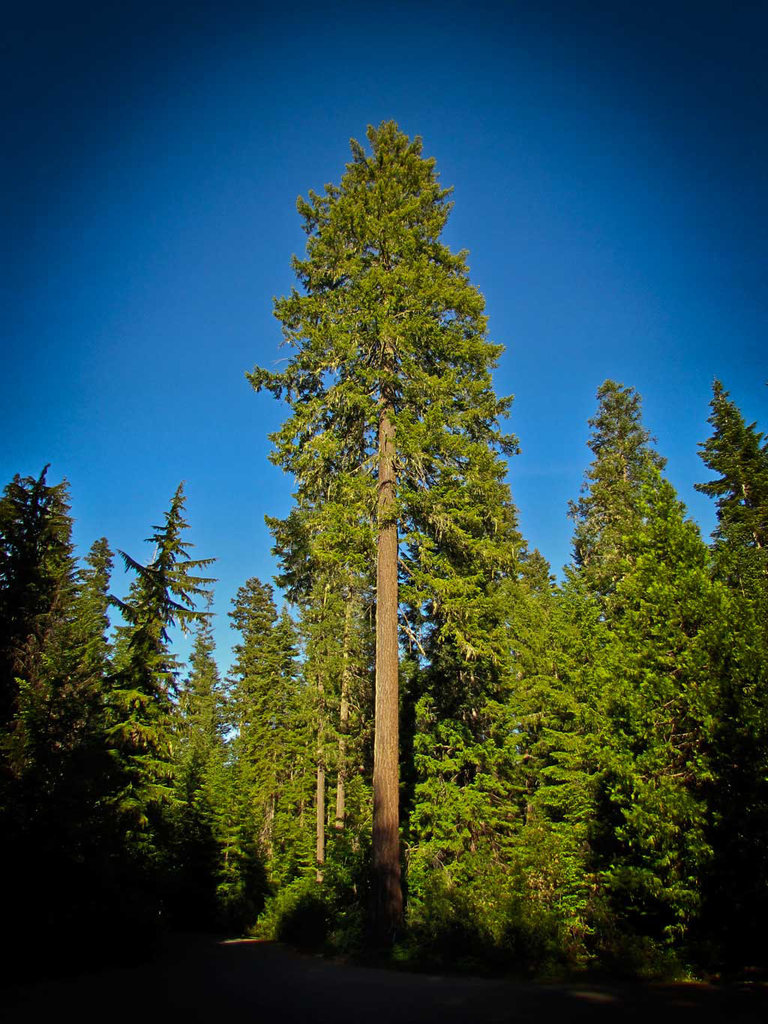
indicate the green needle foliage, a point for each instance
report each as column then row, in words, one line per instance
column 36, row 576
column 55, row 768
column 556, row 635
column 94, row 598
column 143, row 684
column 738, row 454
column 662, row 677
column 558, row 776
column 272, row 744
column 392, row 412
column 737, row 895
column 609, row 507
column 200, row 786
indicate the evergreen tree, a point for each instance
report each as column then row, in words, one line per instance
column 662, row 675
column 391, row 400
column 272, row 745
column 52, row 792
column 143, row 685
column 338, row 656
column 656, row 677
column 40, row 657
column 94, row 605
column 464, row 750
column 201, row 794
column 325, row 549
column 201, row 702
column 737, row 888
column 608, row 509
column 557, row 635
column 36, row 574
column 738, row 454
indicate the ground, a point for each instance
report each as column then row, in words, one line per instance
column 197, row 978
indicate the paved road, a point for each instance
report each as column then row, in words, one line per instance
column 200, row 979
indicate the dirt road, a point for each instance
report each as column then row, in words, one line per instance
column 200, row 979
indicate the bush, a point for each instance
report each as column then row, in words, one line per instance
column 296, row 914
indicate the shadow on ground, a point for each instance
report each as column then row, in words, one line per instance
column 196, row 978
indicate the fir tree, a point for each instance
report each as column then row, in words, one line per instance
column 656, row 677
column 608, row 508
column 36, row 574
column 55, row 765
column 738, row 454
column 391, row 400
column 94, row 605
column 162, row 596
column 201, row 795
column 271, row 745
column 201, row 701
column 662, row 671
column 464, row 751
column 736, row 901
column 553, row 710
column 326, row 549
column 44, row 685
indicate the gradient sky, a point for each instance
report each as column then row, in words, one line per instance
column 609, row 162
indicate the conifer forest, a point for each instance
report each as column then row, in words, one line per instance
column 426, row 744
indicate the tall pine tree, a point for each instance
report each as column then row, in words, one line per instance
column 36, row 575
column 738, row 454
column 272, row 746
column 55, row 767
column 737, row 891
column 662, row 675
column 144, row 681
column 609, row 507
column 390, row 398
column 200, row 785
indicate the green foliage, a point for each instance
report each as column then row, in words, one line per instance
column 388, row 310
column 655, row 679
column 36, row 577
column 584, row 767
column 271, row 744
column 506, row 919
column 54, row 784
column 662, row 680
column 329, row 916
column 140, row 713
column 608, row 509
column 377, row 275
column 298, row 914
column 738, row 454
column 143, row 683
column 199, row 808
column 736, row 896
column 390, row 349
column 557, row 635
column 93, row 615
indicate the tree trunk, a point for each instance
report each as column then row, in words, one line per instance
column 320, row 788
column 343, row 721
column 267, row 829
column 388, row 907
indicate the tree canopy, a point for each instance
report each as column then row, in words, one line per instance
column 426, row 744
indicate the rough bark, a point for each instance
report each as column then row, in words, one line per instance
column 320, row 790
column 341, row 777
column 267, row 828
column 388, row 896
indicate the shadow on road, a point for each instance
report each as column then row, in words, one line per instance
column 200, row 979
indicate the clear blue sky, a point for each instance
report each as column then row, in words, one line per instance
column 609, row 162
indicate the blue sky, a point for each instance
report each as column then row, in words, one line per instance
column 608, row 160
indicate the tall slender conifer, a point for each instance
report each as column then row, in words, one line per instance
column 391, row 400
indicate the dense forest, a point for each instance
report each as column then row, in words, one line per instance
column 432, row 748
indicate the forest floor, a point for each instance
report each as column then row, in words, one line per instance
column 197, row 978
